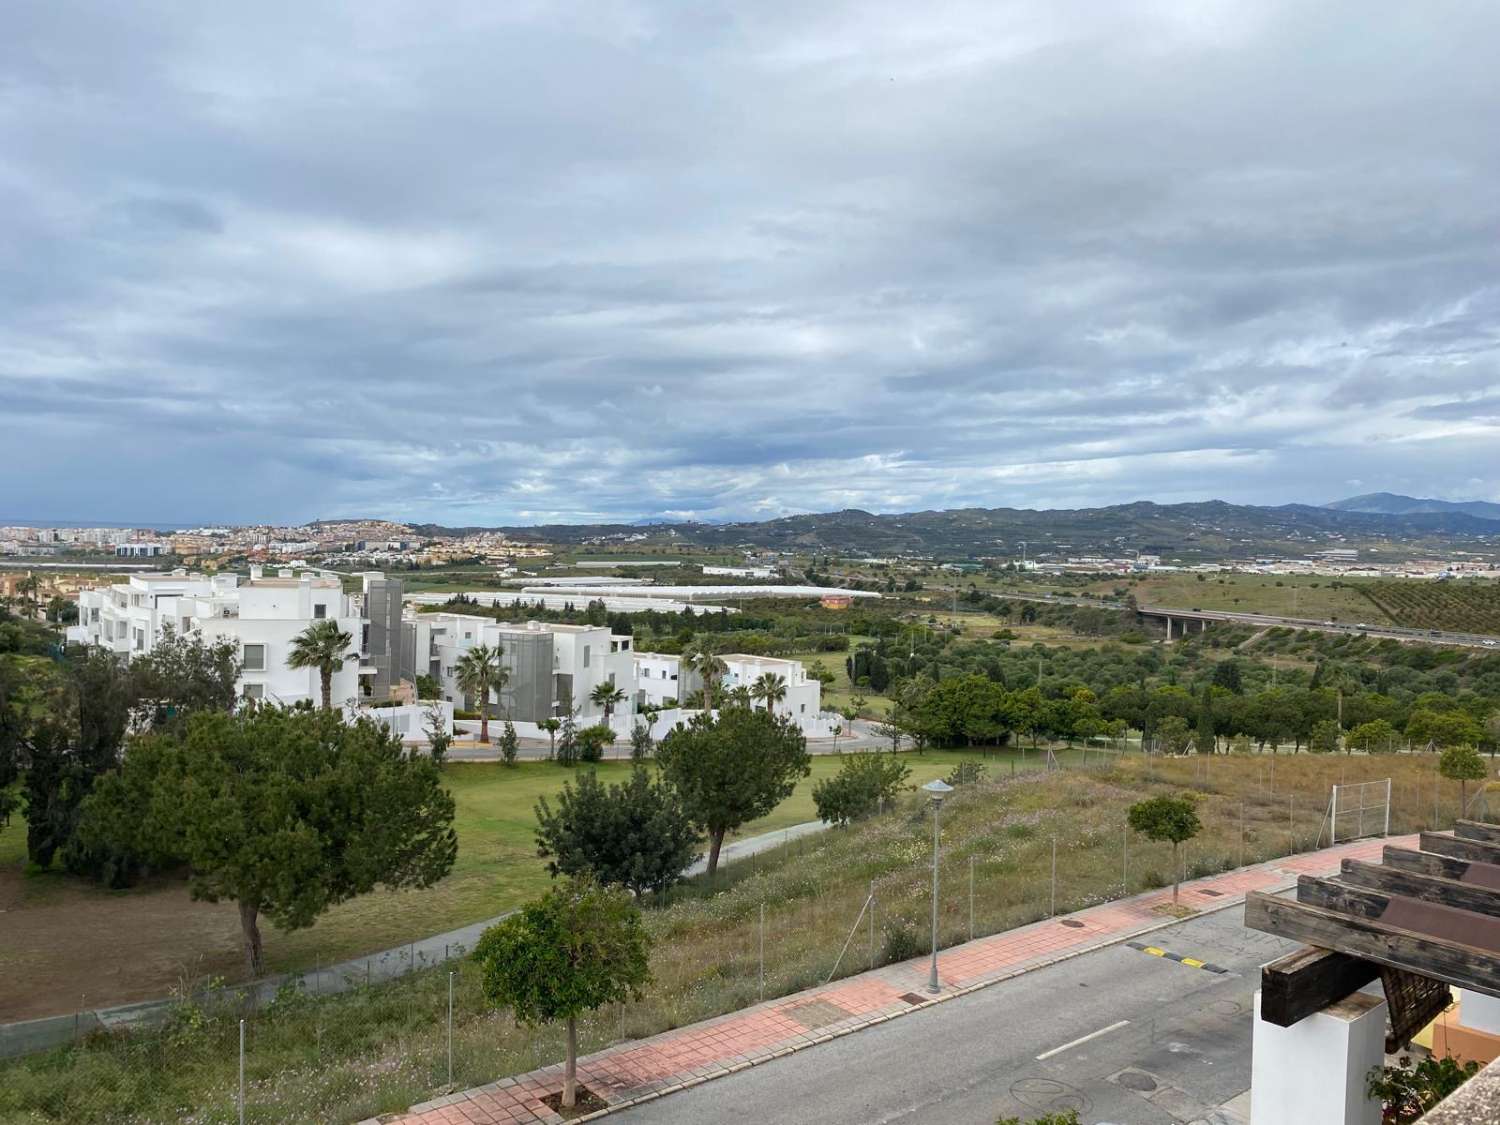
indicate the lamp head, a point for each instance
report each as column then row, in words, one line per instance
column 937, row 789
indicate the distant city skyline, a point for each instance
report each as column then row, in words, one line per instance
column 500, row 264
column 357, row 517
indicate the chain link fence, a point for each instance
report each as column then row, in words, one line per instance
column 1013, row 851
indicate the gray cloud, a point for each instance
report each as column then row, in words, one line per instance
column 515, row 262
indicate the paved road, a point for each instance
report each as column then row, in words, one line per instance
column 1184, row 1051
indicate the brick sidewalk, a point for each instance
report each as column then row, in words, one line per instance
column 640, row 1070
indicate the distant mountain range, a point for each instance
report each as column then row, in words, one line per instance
column 1208, row 530
column 1391, row 504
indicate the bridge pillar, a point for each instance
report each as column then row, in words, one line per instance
column 1313, row 1073
column 1169, row 628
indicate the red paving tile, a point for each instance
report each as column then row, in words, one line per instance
column 623, row 1073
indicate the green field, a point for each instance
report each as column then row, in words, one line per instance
column 54, row 921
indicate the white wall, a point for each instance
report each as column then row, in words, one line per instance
column 129, row 618
column 410, row 721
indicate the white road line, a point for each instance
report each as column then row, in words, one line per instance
column 1091, row 1035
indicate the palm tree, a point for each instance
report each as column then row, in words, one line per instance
column 479, row 672
column 324, row 646
column 28, row 588
column 551, row 726
column 740, row 696
column 711, row 670
column 770, row 689
column 606, row 695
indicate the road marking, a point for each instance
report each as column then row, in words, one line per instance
column 1091, row 1035
column 1190, row 962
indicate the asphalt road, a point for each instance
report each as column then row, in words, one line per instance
column 1184, row 1051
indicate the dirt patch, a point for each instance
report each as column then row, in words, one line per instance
column 69, row 946
column 585, row 1102
column 1179, row 911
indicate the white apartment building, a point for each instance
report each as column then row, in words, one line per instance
column 740, row 571
column 660, row 680
column 261, row 615
column 549, row 664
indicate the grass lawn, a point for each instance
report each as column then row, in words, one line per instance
column 54, row 923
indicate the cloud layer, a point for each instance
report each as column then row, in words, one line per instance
column 526, row 262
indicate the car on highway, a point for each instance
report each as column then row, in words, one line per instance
column 1491, row 644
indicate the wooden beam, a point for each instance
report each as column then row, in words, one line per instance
column 1444, row 866
column 1459, row 849
column 1428, row 888
column 1307, row 981
column 1378, row 941
column 1430, row 919
column 1477, row 830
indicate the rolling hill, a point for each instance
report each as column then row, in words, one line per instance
column 1208, row 530
column 1392, row 504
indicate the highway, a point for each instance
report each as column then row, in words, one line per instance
column 1117, row 1034
column 1263, row 620
column 1266, row 620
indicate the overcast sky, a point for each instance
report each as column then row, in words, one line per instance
column 514, row 262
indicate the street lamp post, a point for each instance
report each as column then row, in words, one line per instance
column 936, row 790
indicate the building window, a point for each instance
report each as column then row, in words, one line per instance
column 187, row 625
column 255, row 691
column 140, row 640
column 624, row 646
column 585, row 656
column 320, row 611
column 254, row 658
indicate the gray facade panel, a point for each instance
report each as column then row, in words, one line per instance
column 528, row 693
column 383, row 611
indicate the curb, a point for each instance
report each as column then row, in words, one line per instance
column 771, row 1054
column 883, row 1017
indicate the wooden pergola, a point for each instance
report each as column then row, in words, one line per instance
column 1421, row 920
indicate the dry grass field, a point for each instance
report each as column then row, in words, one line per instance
column 379, row 1049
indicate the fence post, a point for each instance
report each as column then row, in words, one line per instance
column 1242, row 835
column 450, row 1027
column 1291, row 838
column 872, row 923
column 971, row 898
column 1053, row 912
column 1125, row 861
column 762, row 951
column 242, row 1072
